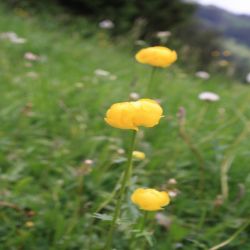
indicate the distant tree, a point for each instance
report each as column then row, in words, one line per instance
column 158, row 14
column 197, row 44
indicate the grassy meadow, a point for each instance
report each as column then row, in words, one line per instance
column 52, row 120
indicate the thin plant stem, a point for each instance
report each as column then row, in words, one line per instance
column 111, row 196
column 200, row 116
column 150, row 82
column 143, row 221
column 228, row 159
column 202, row 218
column 225, row 166
column 226, row 242
column 139, row 228
column 10, row 205
column 183, row 134
column 125, row 180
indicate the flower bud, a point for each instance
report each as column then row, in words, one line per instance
column 138, row 155
column 209, row 97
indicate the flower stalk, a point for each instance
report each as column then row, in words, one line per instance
column 121, row 193
column 228, row 241
column 139, row 228
column 228, row 159
column 185, row 137
column 143, row 221
column 150, row 82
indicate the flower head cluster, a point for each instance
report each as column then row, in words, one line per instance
column 209, row 97
column 106, row 24
column 150, row 199
column 31, row 56
column 163, row 34
column 138, row 155
column 131, row 115
column 157, row 56
column 12, row 37
column 202, row 74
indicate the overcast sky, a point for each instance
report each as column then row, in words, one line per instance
column 236, row 6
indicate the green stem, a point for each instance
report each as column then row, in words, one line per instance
column 142, row 223
column 139, row 228
column 226, row 242
column 200, row 117
column 150, row 82
column 125, row 180
column 228, row 159
column 196, row 153
column 226, row 164
column 111, row 196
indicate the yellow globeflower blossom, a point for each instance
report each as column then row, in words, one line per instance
column 150, row 199
column 157, row 56
column 131, row 115
column 138, row 155
column 227, row 53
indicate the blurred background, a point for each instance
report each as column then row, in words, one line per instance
column 209, row 35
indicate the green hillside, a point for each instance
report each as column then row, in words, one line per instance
column 229, row 24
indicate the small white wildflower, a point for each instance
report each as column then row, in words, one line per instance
column 209, row 96
column 163, row 34
column 173, row 193
column 18, row 40
column 248, row 78
column 8, row 35
column 134, row 96
column 106, row 24
column 178, row 244
column 12, row 37
column 203, row 75
column 120, row 151
column 31, row 56
column 101, row 72
column 88, row 162
column 172, row 181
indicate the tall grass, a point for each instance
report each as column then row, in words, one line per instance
column 53, row 121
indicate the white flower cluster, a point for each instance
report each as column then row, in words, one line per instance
column 12, row 37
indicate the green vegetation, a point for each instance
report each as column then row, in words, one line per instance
column 231, row 25
column 52, row 114
column 155, row 16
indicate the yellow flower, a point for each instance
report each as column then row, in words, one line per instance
column 138, row 155
column 157, row 56
column 131, row 115
column 150, row 199
column 29, row 224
